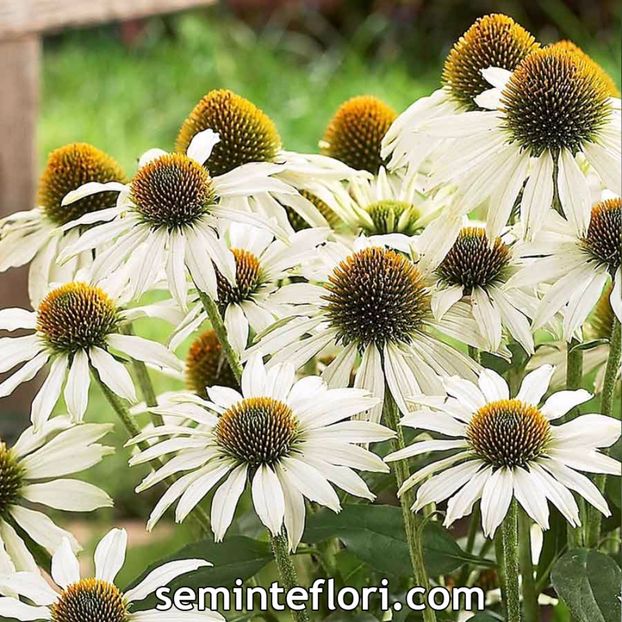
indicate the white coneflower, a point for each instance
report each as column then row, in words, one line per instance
column 167, row 218
column 257, row 298
column 33, row 472
column 381, row 205
column 492, row 41
column 94, row 599
column 373, row 306
column 289, row 440
column 578, row 264
column 250, row 145
column 534, row 138
column 478, row 270
column 77, row 327
column 39, row 235
column 504, row 448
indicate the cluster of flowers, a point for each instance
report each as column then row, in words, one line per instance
column 349, row 295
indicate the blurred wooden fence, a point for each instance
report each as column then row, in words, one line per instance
column 22, row 25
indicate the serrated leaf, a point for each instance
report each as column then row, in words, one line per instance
column 589, row 583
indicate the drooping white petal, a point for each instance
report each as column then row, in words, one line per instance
column 496, row 497
column 268, row 499
column 226, row 499
column 145, row 350
column 77, row 387
column 162, row 576
column 113, row 374
column 48, row 394
column 65, row 566
column 67, row 494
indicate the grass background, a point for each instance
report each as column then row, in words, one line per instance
column 128, row 99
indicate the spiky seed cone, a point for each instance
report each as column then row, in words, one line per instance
column 354, row 135
column 90, row 600
column 206, row 365
column 604, row 235
column 76, row 316
column 473, row 262
column 257, row 430
column 555, row 100
column 508, row 433
column 247, row 278
column 172, row 191
column 376, row 296
column 492, row 41
column 246, row 133
column 70, row 167
column 569, row 46
column 11, row 478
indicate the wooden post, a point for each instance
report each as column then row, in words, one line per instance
column 19, row 95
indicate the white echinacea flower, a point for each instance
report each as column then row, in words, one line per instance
column 503, row 447
column 77, row 327
column 372, row 307
column 258, row 297
column 531, row 143
column 494, row 40
column 167, row 217
column 578, row 266
column 33, row 472
column 478, row 271
column 94, row 599
column 288, row 439
column 39, row 235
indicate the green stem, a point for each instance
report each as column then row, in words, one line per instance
column 413, row 525
column 574, row 376
column 530, row 597
column 509, row 551
column 144, row 382
column 287, row 571
column 607, row 409
column 133, row 430
column 211, row 308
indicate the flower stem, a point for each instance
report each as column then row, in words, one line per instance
column 198, row 514
column 287, row 571
column 606, row 408
column 509, row 554
column 211, row 308
column 530, row 597
column 574, row 376
column 413, row 525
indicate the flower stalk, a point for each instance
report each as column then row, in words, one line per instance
column 413, row 525
column 510, row 563
column 213, row 313
column 287, row 572
column 528, row 585
column 606, row 408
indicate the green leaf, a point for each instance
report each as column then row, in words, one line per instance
column 236, row 557
column 589, row 583
column 366, row 530
column 588, row 345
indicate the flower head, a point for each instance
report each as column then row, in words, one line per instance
column 289, row 440
column 371, row 308
column 247, row 134
column 33, row 472
column 93, row 599
column 494, row 40
column 355, row 132
column 503, row 447
column 41, row 234
column 75, row 327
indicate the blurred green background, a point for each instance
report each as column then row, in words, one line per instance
column 126, row 88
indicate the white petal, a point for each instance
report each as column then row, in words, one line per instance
column 535, row 385
column 537, row 195
column 558, row 404
column 113, row 374
column 531, row 497
column 268, row 499
column 67, row 494
column 587, row 431
column 201, row 145
column 48, row 394
column 574, row 193
column 163, row 576
column 15, row 319
column 110, row 555
column 225, row 501
column 90, row 188
column 65, row 566
column 496, row 497
column 26, row 373
column 77, row 387
column 493, row 386
column 145, row 350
